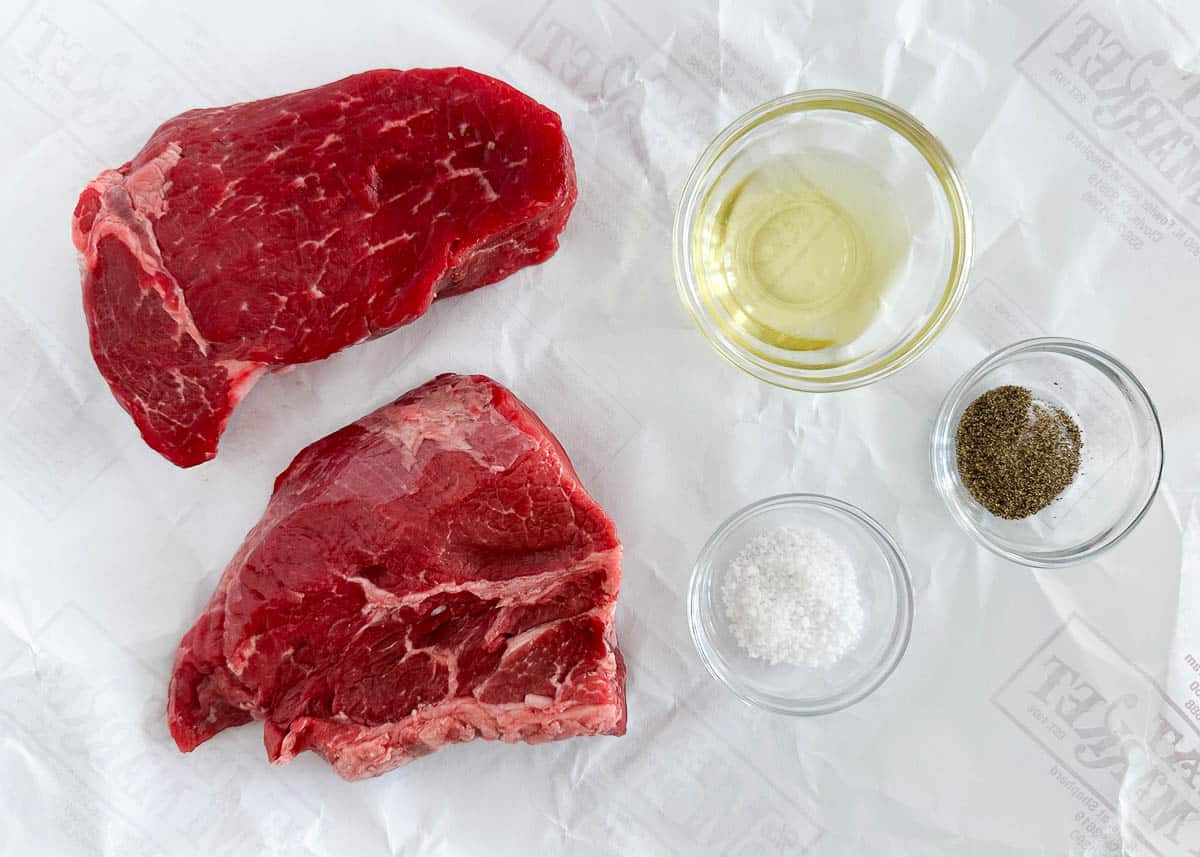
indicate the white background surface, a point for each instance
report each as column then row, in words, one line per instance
column 973, row 747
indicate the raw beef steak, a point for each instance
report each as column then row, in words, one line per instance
column 429, row 574
column 280, row 231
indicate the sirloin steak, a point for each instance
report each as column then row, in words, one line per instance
column 253, row 237
column 427, row 575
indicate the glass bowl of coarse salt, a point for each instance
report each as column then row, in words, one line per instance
column 801, row 604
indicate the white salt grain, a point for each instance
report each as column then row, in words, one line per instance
column 792, row 597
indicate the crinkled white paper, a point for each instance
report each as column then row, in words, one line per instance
column 1035, row 712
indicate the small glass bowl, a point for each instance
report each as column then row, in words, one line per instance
column 1122, row 456
column 909, row 161
column 797, row 690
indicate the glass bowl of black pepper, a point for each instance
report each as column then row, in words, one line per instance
column 1049, row 452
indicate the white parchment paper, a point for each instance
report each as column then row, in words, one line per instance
column 1035, row 712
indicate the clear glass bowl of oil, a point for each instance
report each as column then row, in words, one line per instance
column 823, row 240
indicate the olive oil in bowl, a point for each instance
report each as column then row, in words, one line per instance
column 801, row 250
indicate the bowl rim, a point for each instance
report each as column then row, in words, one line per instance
column 953, row 188
column 898, row 640
column 943, row 432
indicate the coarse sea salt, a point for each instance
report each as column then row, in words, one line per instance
column 792, row 597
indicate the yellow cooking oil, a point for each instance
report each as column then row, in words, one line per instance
column 800, row 251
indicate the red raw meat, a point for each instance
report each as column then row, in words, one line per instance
column 275, row 232
column 430, row 574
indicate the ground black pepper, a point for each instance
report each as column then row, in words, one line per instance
column 1016, row 454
